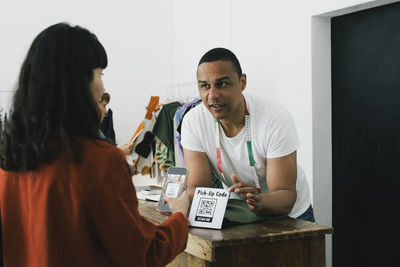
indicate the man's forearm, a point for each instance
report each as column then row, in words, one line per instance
column 190, row 190
column 279, row 202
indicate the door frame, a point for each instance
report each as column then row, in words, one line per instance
column 322, row 112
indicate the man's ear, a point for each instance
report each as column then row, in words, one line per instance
column 243, row 81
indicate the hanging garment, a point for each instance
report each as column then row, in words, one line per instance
column 178, row 151
column 143, row 138
column 183, row 110
column 145, row 147
column 1, row 126
column 164, row 157
column 107, row 127
column 179, row 115
column 164, row 127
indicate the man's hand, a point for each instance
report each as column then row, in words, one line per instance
column 247, row 191
column 281, row 176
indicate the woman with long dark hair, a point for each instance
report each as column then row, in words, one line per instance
column 66, row 195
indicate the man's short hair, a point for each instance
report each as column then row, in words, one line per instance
column 222, row 54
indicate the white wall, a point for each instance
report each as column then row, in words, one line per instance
column 135, row 34
column 272, row 40
column 272, row 43
column 154, row 45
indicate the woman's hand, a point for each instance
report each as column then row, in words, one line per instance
column 181, row 204
column 127, row 148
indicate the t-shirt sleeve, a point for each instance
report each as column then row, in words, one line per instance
column 191, row 130
column 281, row 139
column 128, row 238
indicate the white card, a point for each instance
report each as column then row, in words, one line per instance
column 208, row 207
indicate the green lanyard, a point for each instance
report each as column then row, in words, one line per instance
column 248, row 145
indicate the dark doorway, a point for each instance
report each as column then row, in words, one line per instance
column 366, row 137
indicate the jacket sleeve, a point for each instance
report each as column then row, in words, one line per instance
column 128, row 238
column 1, row 243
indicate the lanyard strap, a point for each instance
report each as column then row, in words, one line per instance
column 248, row 145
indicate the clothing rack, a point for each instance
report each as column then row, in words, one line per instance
column 182, row 92
column 157, row 140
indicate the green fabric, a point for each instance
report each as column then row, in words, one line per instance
column 165, row 157
column 238, row 211
column 164, row 127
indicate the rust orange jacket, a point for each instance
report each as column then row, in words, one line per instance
column 69, row 214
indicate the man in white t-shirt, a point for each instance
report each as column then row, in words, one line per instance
column 248, row 144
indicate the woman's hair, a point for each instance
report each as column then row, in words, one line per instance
column 53, row 105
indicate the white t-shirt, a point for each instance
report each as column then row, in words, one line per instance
column 273, row 134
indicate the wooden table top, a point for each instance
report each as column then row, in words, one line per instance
column 203, row 243
column 265, row 231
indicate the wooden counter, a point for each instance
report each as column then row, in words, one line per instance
column 284, row 242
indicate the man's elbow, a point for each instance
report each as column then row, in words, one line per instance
column 291, row 200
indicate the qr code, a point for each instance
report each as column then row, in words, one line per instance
column 206, row 207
